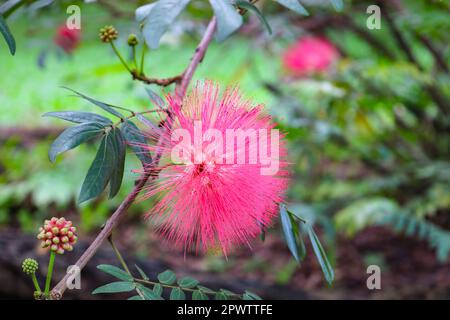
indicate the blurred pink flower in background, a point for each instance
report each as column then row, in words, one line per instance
column 309, row 55
column 67, row 39
column 207, row 203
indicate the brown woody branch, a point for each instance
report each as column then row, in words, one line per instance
column 160, row 82
column 149, row 172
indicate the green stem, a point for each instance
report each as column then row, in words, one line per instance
column 113, row 46
column 118, row 255
column 122, row 261
column 144, row 48
column 134, row 114
column 48, row 280
column 134, row 58
column 35, row 282
column 149, row 282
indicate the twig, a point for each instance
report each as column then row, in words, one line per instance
column 200, row 52
column 152, row 283
column 160, row 82
column 118, row 255
column 112, row 222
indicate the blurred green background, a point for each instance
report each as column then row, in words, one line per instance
column 369, row 139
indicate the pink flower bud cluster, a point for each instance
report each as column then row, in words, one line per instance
column 58, row 234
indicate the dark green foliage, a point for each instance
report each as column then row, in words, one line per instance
column 7, row 35
column 294, row 5
column 73, row 137
column 249, row 6
column 228, row 19
column 167, row 279
column 108, row 165
column 293, row 226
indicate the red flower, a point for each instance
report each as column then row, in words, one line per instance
column 67, row 39
column 211, row 195
column 309, row 55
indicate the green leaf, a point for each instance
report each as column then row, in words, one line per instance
column 73, row 137
column 113, row 287
column 115, row 272
column 295, row 215
column 167, row 277
column 288, row 231
column 158, row 289
column 143, row 11
column 248, row 295
column 100, row 171
column 206, row 290
column 79, row 117
column 142, row 273
column 228, row 19
column 294, row 5
column 145, row 121
column 136, row 297
column 155, row 98
column 159, row 18
column 187, row 282
column 228, row 293
column 251, row 7
column 148, row 294
column 220, row 296
column 327, row 269
column 136, row 141
column 177, row 294
column 337, row 4
column 119, row 152
column 105, row 106
column 199, row 295
column 301, row 246
column 9, row 38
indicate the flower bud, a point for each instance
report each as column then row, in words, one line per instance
column 30, row 266
column 108, row 34
column 132, row 40
column 58, row 235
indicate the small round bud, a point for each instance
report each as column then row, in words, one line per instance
column 30, row 266
column 108, row 34
column 132, row 40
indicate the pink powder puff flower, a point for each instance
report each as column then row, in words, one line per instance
column 309, row 55
column 207, row 199
column 67, row 39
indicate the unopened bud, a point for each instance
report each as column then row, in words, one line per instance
column 132, row 40
column 30, row 266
